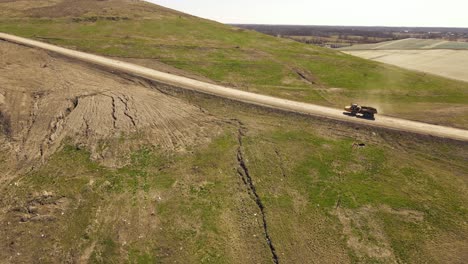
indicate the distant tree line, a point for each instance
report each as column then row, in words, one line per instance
column 348, row 35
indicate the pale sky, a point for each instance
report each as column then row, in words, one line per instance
column 422, row 13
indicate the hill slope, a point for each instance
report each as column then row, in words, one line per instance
column 247, row 60
column 245, row 185
column 101, row 167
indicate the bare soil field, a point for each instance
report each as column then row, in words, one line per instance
column 44, row 100
column 447, row 63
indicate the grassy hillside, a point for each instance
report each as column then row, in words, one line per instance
column 97, row 167
column 244, row 59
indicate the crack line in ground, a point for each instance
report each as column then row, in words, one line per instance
column 33, row 114
column 114, row 117
column 56, row 127
column 5, row 124
column 243, row 172
column 127, row 110
column 87, row 129
column 283, row 171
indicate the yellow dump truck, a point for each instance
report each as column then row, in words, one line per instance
column 364, row 111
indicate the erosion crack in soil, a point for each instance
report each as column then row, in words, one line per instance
column 243, row 172
column 114, row 117
column 281, row 165
column 5, row 124
column 127, row 110
column 32, row 115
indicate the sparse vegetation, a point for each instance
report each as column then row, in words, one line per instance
column 162, row 202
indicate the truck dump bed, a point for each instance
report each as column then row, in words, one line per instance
column 365, row 111
column 368, row 109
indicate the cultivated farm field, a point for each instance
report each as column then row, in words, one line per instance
column 444, row 62
column 412, row 44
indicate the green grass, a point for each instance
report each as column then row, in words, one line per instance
column 328, row 173
column 361, row 176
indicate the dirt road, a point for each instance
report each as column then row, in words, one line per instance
column 247, row 97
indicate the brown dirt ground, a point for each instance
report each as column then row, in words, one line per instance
column 46, row 99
